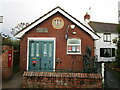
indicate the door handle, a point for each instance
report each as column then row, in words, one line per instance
column 44, row 64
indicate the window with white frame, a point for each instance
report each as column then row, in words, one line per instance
column 74, row 46
column 107, row 52
column 107, row 37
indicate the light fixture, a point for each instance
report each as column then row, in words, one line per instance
column 72, row 26
column 74, row 33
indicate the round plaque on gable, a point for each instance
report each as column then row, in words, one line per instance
column 57, row 23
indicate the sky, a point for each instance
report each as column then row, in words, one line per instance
column 17, row 11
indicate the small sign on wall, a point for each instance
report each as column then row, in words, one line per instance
column 57, row 23
column 42, row 30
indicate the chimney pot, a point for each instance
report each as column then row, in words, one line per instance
column 87, row 16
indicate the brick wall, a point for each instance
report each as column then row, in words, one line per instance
column 6, row 71
column 61, row 80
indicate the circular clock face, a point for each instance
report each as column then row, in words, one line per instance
column 57, row 23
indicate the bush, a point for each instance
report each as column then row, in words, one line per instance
column 7, row 40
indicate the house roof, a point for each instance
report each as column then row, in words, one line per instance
column 22, row 32
column 101, row 27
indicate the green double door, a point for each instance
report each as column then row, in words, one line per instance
column 41, row 55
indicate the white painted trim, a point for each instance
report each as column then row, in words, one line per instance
column 27, row 54
column 19, row 35
column 103, row 72
column 41, row 39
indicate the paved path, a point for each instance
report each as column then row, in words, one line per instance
column 113, row 78
column 14, row 82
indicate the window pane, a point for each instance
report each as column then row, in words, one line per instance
column 45, row 50
column 37, row 49
column 69, row 48
column 105, row 52
column 50, row 50
column 78, row 48
column 101, row 52
column 32, row 49
column 108, row 37
column 113, row 52
column 108, row 52
column 73, row 48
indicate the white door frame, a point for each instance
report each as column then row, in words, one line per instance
column 41, row 39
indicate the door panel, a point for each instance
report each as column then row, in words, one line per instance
column 47, row 56
column 50, row 55
column 42, row 53
column 34, row 55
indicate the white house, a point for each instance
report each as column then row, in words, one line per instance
column 104, row 46
column 119, row 12
column 1, row 21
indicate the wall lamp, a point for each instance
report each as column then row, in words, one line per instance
column 72, row 26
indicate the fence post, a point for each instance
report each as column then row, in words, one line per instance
column 103, row 73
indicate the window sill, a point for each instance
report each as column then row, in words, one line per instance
column 107, row 41
column 108, row 57
column 73, row 53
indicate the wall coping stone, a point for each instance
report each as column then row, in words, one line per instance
column 62, row 75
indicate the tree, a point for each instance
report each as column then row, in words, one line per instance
column 7, row 40
column 118, row 49
column 18, row 27
column 16, row 44
column 89, row 61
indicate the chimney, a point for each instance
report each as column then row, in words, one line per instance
column 86, row 18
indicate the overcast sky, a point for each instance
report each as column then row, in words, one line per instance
column 17, row 11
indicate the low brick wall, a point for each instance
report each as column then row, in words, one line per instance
column 61, row 80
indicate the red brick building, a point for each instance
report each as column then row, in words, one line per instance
column 55, row 41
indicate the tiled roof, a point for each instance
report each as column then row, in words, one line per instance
column 103, row 27
column 62, row 75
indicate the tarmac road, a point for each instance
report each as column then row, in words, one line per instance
column 112, row 78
